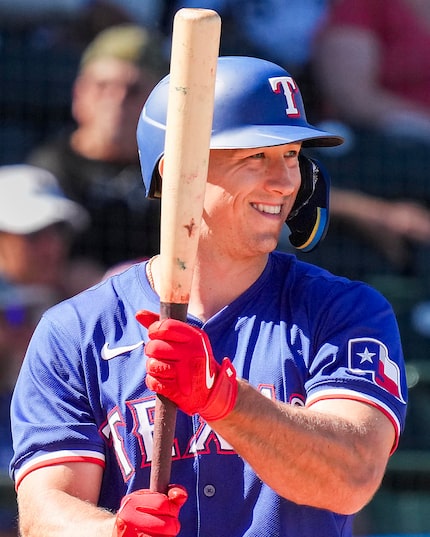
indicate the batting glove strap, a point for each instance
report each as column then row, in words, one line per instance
column 223, row 394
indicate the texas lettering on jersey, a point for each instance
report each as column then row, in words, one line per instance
column 143, row 412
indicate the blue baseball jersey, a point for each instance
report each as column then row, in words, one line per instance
column 298, row 334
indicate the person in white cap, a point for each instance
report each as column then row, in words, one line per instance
column 37, row 226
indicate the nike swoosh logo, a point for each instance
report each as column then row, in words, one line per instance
column 108, row 353
column 209, row 378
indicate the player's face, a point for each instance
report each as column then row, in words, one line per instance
column 249, row 194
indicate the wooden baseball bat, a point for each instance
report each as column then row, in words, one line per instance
column 194, row 54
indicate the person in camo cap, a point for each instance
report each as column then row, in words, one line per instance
column 96, row 160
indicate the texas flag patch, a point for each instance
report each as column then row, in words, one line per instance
column 370, row 356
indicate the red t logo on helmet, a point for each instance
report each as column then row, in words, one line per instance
column 289, row 87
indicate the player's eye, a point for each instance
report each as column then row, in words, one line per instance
column 257, row 155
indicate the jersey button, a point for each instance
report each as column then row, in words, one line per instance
column 209, row 491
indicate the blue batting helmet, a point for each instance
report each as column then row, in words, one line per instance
column 257, row 104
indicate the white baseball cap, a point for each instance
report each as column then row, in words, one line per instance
column 31, row 199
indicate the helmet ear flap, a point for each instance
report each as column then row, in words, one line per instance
column 309, row 217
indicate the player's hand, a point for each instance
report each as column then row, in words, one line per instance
column 181, row 367
column 144, row 513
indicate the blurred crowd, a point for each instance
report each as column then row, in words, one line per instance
column 74, row 76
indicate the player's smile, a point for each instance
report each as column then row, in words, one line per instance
column 267, row 209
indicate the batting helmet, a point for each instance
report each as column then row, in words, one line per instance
column 257, row 104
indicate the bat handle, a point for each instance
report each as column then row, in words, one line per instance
column 165, row 419
column 164, row 434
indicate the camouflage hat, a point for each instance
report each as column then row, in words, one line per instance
column 128, row 42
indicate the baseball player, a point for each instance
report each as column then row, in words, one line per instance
column 289, row 381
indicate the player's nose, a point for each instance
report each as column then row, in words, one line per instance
column 281, row 178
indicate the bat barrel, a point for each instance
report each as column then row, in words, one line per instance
column 195, row 47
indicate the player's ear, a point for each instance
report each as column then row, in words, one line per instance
column 161, row 166
column 157, row 176
column 155, row 186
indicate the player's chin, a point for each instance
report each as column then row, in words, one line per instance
column 265, row 243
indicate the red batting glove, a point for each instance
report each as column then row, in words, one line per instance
column 144, row 513
column 181, row 367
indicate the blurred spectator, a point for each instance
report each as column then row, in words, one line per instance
column 391, row 226
column 96, row 161
column 373, row 63
column 40, row 48
column 37, row 227
column 372, row 66
column 20, row 309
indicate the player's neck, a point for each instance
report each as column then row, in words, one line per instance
column 215, row 283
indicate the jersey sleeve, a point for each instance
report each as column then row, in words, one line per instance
column 359, row 354
column 52, row 416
